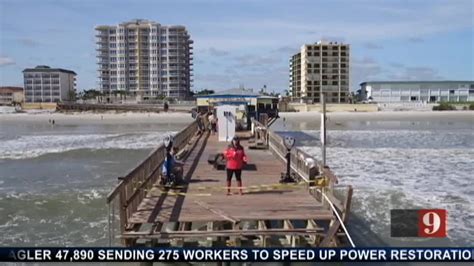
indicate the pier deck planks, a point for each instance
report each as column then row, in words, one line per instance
column 198, row 206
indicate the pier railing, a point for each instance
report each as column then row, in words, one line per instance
column 133, row 187
column 302, row 163
column 309, row 170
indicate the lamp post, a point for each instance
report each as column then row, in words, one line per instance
column 323, row 130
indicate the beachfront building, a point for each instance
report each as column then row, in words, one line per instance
column 417, row 91
column 318, row 68
column 49, row 85
column 144, row 59
column 11, row 95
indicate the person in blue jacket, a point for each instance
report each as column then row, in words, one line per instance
column 172, row 169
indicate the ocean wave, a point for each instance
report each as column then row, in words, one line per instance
column 7, row 110
column 33, row 146
column 389, row 178
column 407, row 139
column 60, row 218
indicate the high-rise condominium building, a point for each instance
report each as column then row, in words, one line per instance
column 45, row 84
column 318, row 68
column 145, row 59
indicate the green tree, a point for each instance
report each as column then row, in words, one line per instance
column 205, row 92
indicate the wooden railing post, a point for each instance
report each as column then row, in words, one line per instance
column 123, row 209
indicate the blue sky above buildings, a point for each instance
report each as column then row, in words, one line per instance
column 250, row 42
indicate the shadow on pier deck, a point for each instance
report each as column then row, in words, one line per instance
column 201, row 213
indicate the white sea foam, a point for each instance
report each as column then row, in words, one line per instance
column 7, row 110
column 388, row 178
column 37, row 145
column 394, row 138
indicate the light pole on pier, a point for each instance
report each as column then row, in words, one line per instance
column 323, row 129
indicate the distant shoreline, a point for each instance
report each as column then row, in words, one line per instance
column 96, row 118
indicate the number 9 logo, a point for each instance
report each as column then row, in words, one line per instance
column 432, row 223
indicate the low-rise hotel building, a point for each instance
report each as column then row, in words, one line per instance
column 11, row 95
column 417, row 91
column 49, row 85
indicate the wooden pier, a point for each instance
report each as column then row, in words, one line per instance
column 200, row 213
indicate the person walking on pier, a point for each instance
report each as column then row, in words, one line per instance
column 213, row 123
column 236, row 159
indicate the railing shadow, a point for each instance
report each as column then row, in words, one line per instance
column 180, row 199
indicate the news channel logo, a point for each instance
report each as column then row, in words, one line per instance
column 418, row 223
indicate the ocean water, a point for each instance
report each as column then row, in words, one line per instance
column 412, row 165
column 54, row 179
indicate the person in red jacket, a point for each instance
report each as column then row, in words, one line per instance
column 236, row 159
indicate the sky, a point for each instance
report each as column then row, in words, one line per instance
column 249, row 43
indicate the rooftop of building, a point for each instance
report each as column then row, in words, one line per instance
column 325, row 42
column 237, row 92
column 416, row 82
column 43, row 68
column 139, row 22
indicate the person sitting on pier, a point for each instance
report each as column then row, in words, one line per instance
column 172, row 171
column 236, row 159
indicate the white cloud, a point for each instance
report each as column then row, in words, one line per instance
column 368, row 69
column 5, row 61
column 217, row 52
column 372, row 46
column 416, row 73
column 380, row 23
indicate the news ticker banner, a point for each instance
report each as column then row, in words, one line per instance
column 237, row 254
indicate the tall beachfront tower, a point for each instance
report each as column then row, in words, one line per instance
column 144, row 59
column 321, row 67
